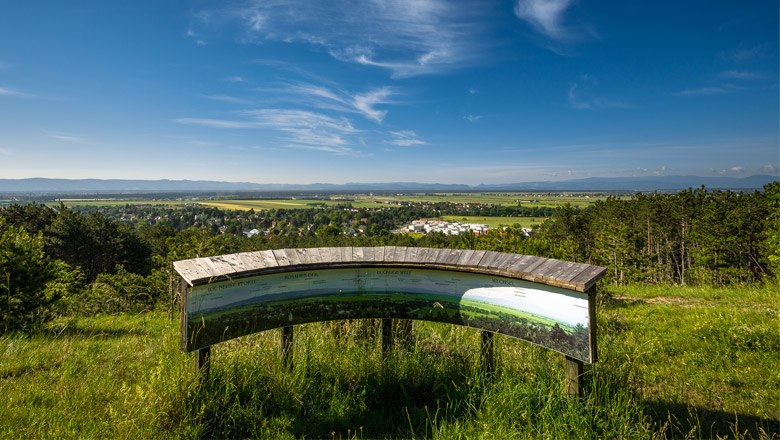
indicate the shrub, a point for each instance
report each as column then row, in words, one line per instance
column 30, row 282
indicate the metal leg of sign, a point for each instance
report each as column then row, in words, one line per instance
column 203, row 362
column 575, row 372
column 387, row 335
column 488, row 353
column 287, row 345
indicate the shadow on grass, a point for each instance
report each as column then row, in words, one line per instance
column 323, row 402
column 684, row 421
column 74, row 330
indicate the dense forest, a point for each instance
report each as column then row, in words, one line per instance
column 63, row 261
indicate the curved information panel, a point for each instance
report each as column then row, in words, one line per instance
column 556, row 318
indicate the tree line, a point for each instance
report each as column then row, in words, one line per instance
column 63, row 261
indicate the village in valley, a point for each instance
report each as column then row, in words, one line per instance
column 426, row 226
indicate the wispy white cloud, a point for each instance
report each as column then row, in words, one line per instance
column 663, row 170
column 583, row 96
column 195, row 38
column 68, row 138
column 472, row 118
column 364, row 104
column 4, row 91
column 546, row 16
column 6, row 152
column 742, row 75
column 706, row 91
column 216, row 123
column 737, row 169
column 769, row 169
column 298, row 128
column 407, row 37
column 5, row 66
column 742, row 53
column 406, row 138
column 236, row 79
column 229, row 99
column 194, row 141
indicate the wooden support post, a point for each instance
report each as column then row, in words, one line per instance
column 574, row 377
column 287, row 345
column 203, row 362
column 488, row 353
column 387, row 335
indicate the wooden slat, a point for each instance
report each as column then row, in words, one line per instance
column 539, row 270
column 570, row 275
column 217, row 267
column 490, row 259
column 431, row 256
column 269, row 258
column 293, row 257
column 451, row 257
column 314, row 256
column 560, row 270
column 330, row 254
column 389, row 252
column 190, row 271
column 305, row 255
column 426, row 255
column 346, row 254
column 234, row 261
column 587, row 279
column 281, row 257
column 401, row 253
column 257, row 260
column 471, row 258
column 379, row 254
column 575, row 271
column 522, row 264
column 532, row 266
column 508, row 266
column 368, row 254
column 411, row 254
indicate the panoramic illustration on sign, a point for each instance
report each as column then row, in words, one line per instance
column 549, row 316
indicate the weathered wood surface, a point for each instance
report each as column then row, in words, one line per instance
column 568, row 275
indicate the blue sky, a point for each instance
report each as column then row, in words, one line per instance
column 381, row 91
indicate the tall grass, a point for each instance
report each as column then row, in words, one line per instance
column 124, row 377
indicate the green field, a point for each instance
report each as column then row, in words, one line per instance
column 358, row 201
column 495, row 222
column 118, row 202
column 258, row 205
column 673, row 363
column 504, row 199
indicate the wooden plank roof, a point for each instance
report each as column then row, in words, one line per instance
column 568, row 275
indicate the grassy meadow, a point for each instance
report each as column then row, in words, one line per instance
column 674, row 362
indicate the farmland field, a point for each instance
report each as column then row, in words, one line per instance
column 358, row 201
column 503, row 199
column 494, row 222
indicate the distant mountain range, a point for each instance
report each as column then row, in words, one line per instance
column 655, row 183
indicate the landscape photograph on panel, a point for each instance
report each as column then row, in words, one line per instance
column 552, row 317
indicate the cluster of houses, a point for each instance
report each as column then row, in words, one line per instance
column 426, row 226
